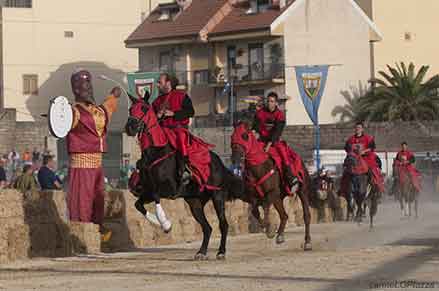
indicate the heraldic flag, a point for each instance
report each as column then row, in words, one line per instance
column 138, row 83
column 311, row 81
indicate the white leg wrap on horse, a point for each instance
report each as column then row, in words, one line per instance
column 161, row 216
column 152, row 219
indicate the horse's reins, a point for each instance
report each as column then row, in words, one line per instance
column 146, row 130
column 257, row 184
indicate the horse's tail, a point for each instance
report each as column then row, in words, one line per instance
column 233, row 185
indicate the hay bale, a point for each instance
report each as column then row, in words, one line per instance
column 85, row 238
column 18, row 243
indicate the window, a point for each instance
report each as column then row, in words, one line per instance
column 201, row 77
column 166, row 15
column 18, row 3
column 257, row 6
column 165, row 61
column 68, row 34
column 262, row 5
column 257, row 92
column 30, row 84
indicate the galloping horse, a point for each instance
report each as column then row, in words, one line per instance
column 264, row 183
column 362, row 189
column 158, row 175
column 407, row 191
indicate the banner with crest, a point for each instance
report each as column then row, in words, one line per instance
column 311, row 81
column 138, row 83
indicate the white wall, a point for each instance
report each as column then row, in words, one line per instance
column 34, row 43
column 326, row 32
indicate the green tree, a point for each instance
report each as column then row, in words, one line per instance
column 402, row 95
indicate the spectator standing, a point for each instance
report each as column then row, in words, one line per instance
column 36, row 155
column 27, row 157
column 14, row 160
column 3, row 180
column 26, row 182
column 46, row 175
column 125, row 172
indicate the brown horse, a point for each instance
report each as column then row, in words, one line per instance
column 264, row 183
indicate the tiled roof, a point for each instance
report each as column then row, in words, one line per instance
column 188, row 23
column 239, row 21
column 194, row 18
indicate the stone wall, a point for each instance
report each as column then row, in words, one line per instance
column 20, row 135
column 36, row 225
column 333, row 136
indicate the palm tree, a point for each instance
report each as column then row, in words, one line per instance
column 351, row 111
column 402, row 95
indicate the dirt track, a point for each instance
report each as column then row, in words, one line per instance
column 346, row 256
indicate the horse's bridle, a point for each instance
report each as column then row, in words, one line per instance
column 142, row 126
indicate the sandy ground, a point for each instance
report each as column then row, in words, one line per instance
column 346, row 256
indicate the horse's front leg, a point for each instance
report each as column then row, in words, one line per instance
column 306, row 219
column 283, row 216
column 256, row 214
column 140, row 206
column 269, row 231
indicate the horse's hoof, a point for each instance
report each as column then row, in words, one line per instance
column 270, row 234
column 201, row 257
column 307, row 246
column 221, row 256
column 280, row 239
column 167, row 230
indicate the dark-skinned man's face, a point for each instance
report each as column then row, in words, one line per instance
column 83, row 88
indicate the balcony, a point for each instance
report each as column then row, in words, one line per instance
column 257, row 73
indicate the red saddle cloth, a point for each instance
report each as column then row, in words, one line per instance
column 408, row 171
column 198, row 154
column 283, row 154
column 362, row 166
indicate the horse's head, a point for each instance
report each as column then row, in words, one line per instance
column 241, row 140
column 137, row 117
column 322, row 186
column 142, row 121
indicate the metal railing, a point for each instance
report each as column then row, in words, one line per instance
column 248, row 73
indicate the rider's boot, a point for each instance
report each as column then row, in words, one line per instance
column 292, row 180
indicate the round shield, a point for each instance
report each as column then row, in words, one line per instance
column 60, row 117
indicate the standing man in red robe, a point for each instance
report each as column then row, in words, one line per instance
column 86, row 143
column 365, row 145
column 269, row 122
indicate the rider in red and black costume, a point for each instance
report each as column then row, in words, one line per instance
column 269, row 122
column 407, row 158
column 174, row 109
column 365, row 145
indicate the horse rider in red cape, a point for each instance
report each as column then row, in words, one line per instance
column 86, row 143
column 174, row 109
column 269, row 122
column 405, row 158
column 365, row 145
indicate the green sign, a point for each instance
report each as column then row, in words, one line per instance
column 139, row 83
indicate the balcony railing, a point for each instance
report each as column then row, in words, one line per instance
column 248, row 73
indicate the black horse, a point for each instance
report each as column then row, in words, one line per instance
column 159, row 177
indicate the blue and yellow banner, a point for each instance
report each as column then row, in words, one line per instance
column 311, row 81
